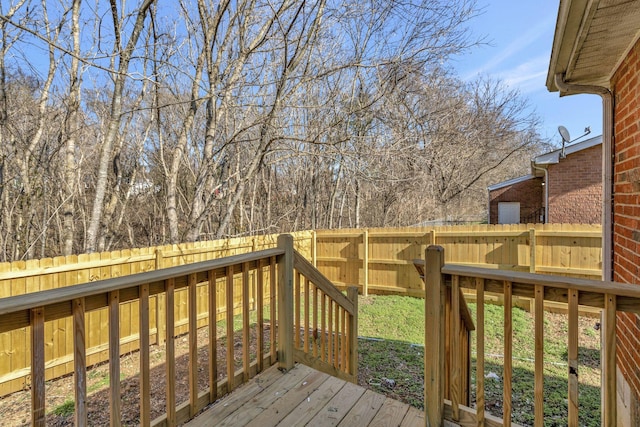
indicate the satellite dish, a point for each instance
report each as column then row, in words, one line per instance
column 564, row 133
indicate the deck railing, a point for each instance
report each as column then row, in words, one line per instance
column 609, row 296
column 267, row 274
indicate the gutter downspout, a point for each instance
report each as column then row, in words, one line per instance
column 607, row 164
column 546, row 190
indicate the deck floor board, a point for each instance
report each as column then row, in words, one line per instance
column 304, row 396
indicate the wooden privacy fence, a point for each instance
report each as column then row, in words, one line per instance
column 381, row 260
column 25, row 277
column 274, row 284
column 446, row 281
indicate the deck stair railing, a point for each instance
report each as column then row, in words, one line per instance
column 268, row 275
column 611, row 297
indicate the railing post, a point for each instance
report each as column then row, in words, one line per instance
column 352, row 294
column 434, row 337
column 285, row 303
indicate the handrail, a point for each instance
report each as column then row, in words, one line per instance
column 12, row 305
column 309, row 271
column 610, row 296
column 250, row 276
column 560, row 282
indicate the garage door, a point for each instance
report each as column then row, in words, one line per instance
column 509, row 213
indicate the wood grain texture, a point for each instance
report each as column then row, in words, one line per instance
column 456, row 356
column 508, row 350
column 480, row 392
column 193, row 343
column 79, row 363
column 539, row 357
column 170, row 359
column 145, row 363
column 37, row 367
column 434, row 336
column 609, row 363
column 285, row 302
column 213, row 339
column 572, row 346
column 231, row 368
column 114, row 358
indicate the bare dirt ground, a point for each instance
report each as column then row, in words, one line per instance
column 15, row 408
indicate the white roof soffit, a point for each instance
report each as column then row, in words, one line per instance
column 553, row 157
column 591, row 39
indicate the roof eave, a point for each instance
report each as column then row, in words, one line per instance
column 570, row 28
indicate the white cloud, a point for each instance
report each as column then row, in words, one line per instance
column 516, row 47
column 527, row 77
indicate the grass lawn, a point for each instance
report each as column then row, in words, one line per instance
column 391, row 358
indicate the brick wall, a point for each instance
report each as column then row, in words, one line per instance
column 626, row 210
column 575, row 188
column 529, row 193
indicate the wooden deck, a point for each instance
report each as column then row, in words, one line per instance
column 304, row 396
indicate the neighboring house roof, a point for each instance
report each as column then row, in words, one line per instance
column 510, row 182
column 553, row 157
column 591, row 39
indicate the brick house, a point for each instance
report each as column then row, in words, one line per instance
column 563, row 187
column 596, row 50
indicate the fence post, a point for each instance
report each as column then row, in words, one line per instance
column 314, row 248
column 532, row 250
column 161, row 316
column 365, row 262
column 434, row 337
column 285, row 303
column 352, row 294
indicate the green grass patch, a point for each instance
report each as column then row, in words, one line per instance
column 397, row 323
column 64, row 410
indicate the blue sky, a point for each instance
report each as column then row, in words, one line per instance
column 519, row 35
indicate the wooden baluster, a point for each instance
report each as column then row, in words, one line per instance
column 213, row 338
column 296, row 307
column 170, row 360
column 246, row 353
column 315, row 322
column 330, row 330
column 336, row 345
column 343, row 341
column 352, row 294
column 231, row 366
column 508, row 351
column 456, row 380
column 323, row 329
column 307, row 315
column 79, row 362
column 273, row 298
column 609, row 410
column 145, row 363
column 480, row 399
column 114, row 357
column 37, row 368
column 193, row 343
column 539, row 357
column 573, row 357
column 260, row 315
